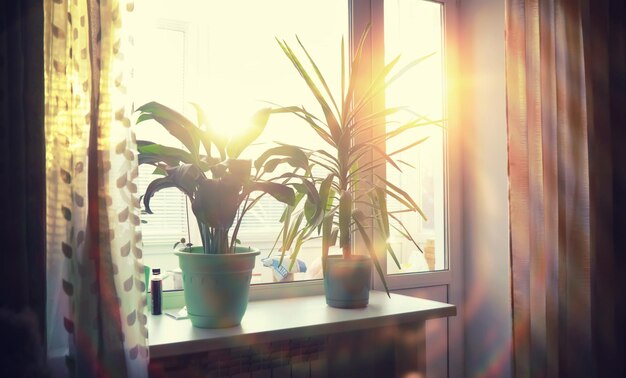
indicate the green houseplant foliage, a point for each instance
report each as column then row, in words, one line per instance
column 221, row 188
column 217, row 182
column 343, row 119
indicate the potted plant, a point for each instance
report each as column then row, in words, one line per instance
column 342, row 121
column 220, row 187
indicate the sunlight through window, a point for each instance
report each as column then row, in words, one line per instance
column 413, row 30
column 224, row 56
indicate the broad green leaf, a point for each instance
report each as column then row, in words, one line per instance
column 294, row 230
column 242, row 140
column 155, row 186
column 313, row 207
column 281, row 192
column 240, row 169
column 144, row 117
column 184, row 177
column 294, row 157
column 162, row 111
column 175, row 123
column 159, row 171
column 286, row 230
column 325, row 192
column 216, row 203
column 155, row 159
column 208, row 135
column 299, row 197
column 271, row 165
column 296, row 249
column 165, row 152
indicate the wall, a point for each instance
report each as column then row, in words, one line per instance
column 437, row 332
column 487, row 306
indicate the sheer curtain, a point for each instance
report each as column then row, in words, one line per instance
column 565, row 63
column 96, row 301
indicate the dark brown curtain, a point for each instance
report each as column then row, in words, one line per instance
column 22, row 211
column 22, row 199
column 566, row 72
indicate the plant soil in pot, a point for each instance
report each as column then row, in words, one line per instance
column 347, row 281
column 217, row 285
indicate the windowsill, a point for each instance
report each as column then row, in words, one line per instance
column 270, row 320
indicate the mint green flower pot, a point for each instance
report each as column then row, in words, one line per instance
column 217, row 286
column 347, row 281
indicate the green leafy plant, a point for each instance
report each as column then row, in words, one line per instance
column 343, row 120
column 222, row 187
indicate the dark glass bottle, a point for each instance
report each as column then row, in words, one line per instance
column 156, row 289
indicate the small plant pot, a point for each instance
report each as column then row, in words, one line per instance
column 347, row 281
column 217, row 286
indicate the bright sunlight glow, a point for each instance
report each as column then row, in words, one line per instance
column 223, row 55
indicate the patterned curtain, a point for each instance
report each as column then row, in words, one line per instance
column 566, row 86
column 96, row 301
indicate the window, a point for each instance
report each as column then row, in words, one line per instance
column 223, row 55
column 413, row 30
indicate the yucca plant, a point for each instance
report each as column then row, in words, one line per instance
column 343, row 119
column 218, row 183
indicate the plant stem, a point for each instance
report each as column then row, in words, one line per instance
column 233, row 239
column 202, row 236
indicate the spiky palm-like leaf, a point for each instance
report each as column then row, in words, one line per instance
column 345, row 119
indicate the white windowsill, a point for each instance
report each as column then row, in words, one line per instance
column 269, row 320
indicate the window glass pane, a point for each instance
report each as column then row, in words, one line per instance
column 414, row 29
column 232, row 66
column 160, row 51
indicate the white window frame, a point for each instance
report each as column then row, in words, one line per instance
column 191, row 64
column 362, row 13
